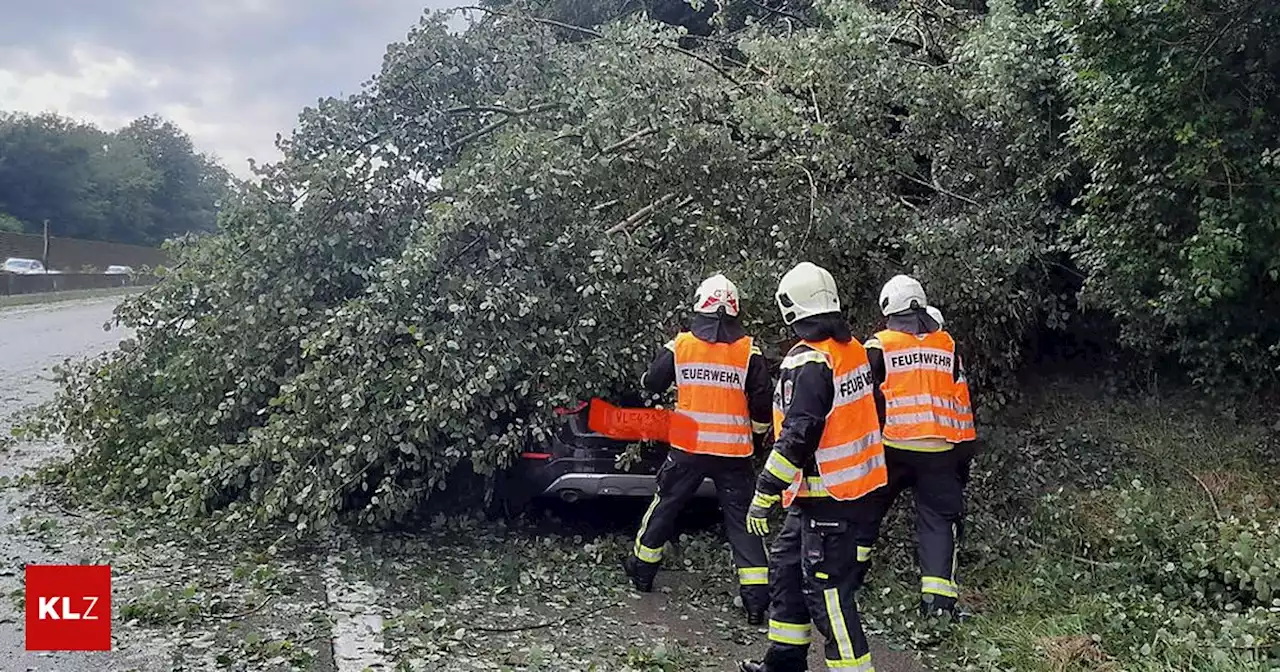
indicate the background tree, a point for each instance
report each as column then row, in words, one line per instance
column 10, row 223
column 46, row 165
column 1176, row 110
column 142, row 184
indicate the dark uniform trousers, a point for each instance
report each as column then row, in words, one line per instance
column 937, row 482
column 678, row 479
column 816, row 568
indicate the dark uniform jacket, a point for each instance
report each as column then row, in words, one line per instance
column 804, row 394
column 718, row 329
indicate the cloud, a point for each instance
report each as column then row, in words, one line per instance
column 232, row 73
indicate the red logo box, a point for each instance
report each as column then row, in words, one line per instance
column 68, row 607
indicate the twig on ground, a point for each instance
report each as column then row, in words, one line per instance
column 61, row 508
column 547, row 624
column 245, row 614
column 1073, row 556
column 1212, row 502
column 764, row 153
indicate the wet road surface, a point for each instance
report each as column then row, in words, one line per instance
column 33, row 339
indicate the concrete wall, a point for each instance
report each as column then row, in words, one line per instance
column 13, row 284
column 75, row 256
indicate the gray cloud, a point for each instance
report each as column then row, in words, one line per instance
column 231, row 72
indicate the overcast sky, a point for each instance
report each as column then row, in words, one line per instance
column 231, row 72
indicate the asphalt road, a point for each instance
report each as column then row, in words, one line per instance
column 34, row 339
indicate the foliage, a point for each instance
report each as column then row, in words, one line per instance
column 1174, row 111
column 10, row 223
column 1129, row 554
column 141, row 184
column 360, row 332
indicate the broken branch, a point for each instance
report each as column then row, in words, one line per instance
column 782, row 12
column 706, row 61
column 936, row 187
column 535, row 19
column 642, row 133
column 481, row 132
column 494, row 126
column 546, row 624
column 642, row 213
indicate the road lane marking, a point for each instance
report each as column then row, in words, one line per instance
column 357, row 621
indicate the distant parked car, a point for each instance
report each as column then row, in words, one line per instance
column 23, row 266
column 119, row 270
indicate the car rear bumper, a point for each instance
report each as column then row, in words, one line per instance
column 572, row 487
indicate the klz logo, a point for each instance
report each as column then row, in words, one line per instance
column 49, row 609
column 68, row 607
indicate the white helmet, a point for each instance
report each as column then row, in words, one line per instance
column 714, row 293
column 901, row 293
column 807, row 290
column 935, row 314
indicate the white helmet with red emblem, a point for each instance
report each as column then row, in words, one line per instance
column 714, row 293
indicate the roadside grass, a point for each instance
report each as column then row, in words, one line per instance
column 40, row 298
column 1118, row 533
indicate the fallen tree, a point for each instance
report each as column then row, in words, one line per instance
column 510, row 219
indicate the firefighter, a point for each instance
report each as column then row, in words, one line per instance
column 827, row 457
column 964, row 451
column 723, row 383
column 922, row 400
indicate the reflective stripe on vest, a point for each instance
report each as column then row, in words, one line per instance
column 850, row 455
column 711, row 381
column 923, row 400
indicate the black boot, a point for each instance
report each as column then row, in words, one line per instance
column 755, row 600
column 778, row 660
column 641, row 573
column 937, row 605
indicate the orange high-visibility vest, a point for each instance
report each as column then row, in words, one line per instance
column 711, row 388
column 923, row 400
column 850, row 453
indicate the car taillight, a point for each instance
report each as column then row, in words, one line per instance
column 536, row 456
column 562, row 411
